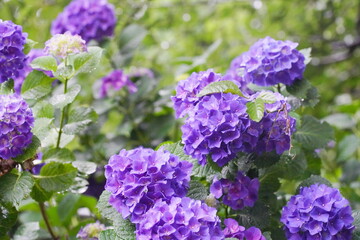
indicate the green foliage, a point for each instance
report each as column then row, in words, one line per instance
column 85, row 167
column 36, row 85
column 7, row 87
column 8, row 217
column 30, row 151
column 28, row 231
column 61, row 100
column 256, row 109
column 197, row 190
column 356, row 216
column 47, row 63
column 221, row 87
column 79, row 118
column 86, row 61
column 58, row 155
column 39, row 194
column 108, row 234
column 313, row 179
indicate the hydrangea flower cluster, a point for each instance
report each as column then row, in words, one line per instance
column 273, row 132
column 91, row 231
column 139, row 177
column 234, row 230
column 16, row 121
column 12, row 58
column 115, row 81
column 318, row 212
column 240, row 193
column 269, row 62
column 182, row 218
column 215, row 127
column 61, row 45
column 187, row 89
column 91, row 19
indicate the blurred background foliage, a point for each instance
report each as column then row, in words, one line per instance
column 176, row 37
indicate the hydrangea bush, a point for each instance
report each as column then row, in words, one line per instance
column 221, row 156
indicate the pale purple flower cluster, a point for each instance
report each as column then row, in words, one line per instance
column 115, row 81
column 187, row 89
column 91, row 231
column 215, row 126
column 62, row 45
column 318, row 212
column 273, row 132
column 182, row 218
column 269, row 62
column 12, row 58
column 234, row 230
column 138, row 178
column 16, row 121
column 91, row 19
column 240, row 193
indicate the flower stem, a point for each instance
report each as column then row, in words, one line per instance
column 62, row 118
column 46, row 219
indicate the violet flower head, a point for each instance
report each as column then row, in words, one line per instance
column 62, row 45
column 115, row 81
column 16, row 121
column 181, row 218
column 91, row 19
column 138, row 177
column 240, row 193
column 273, row 132
column 318, row 212
column 215, row 126
column 234, row 230
column 12, row 58
column 91, row 231
column 186, row 91
column 269, row 62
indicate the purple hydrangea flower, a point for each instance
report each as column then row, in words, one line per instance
column 62, row 45
column 273, row 132
column 91, row 231
column 269, row 62
column 318, row 212
column 139, row 177
column 16, row 120
column 234, row 230
column 12, row 58
column 181, row 218
column 187, row 89
column 115, row 81
column 91, row 19
column 240, row 193
column 215, row 126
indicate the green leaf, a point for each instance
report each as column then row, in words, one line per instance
column 340, row 120
column 8, row 217
column 15, row 187
column 220, row 87
column 58, row 155
column 258, row 216
column 7, row 87
column 123, row 228
column 67, row 207
column 299, row 88
column 43, row 109
column 307, row 54
column 36, row 85
column 27, row 231
column 348, row 147
column 79, row 118
column 56, row 177
column 85, row 167
column 313, row 179
column 197, row 190
column 61, row 100
column 267, row 97
column 356, row 223
column 29, row 45
column 42, row 127
column 267, row 235
column 108, row 234
column 64, row 73
column 47, row 63
column 39, row 194
column 86, row 61
column 313, row 134
column 292, row 166
column 30, row 151
column 256, row 109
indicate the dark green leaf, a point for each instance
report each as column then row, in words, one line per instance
column 79, row 118
column 61, row 100
column 67, row 207
column 56, row 177
column 258, row 216
column 313, row 179
column 47, row 63
column 299, row 88
column 356, row 223
column 36, row 85
column 15, row 187
column 256, row 109
column 313, row 134
column 7, row 87
column 30, row 151
column 39, row 194
column 197, row 190
column 8, row 217
column 58, row 155
column 267, row 235
column 220, row 87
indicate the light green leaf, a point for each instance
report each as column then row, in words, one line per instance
column 108, row 234
column 30, row 151
column 256, row 109
column 15, row 187
column 58, row 155
column 307, row 54
column 86, row 61
column 56, row 177
column 39, row 194
column 47, row 63
column 197, row 190
column 64, row 73
column 36, row 85
column 220, row 87
column 61, row 100
column 29, row 45
column 313, row 134
column 85, row 167
column 79, row 118
column 7, row 87
column 267, row 97
column 67, row 207
column 43, row 109
column 27, row 231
